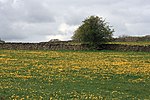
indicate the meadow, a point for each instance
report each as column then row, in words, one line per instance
column 74, row 75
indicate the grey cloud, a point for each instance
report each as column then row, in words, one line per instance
column 36, row 11
column 26, row 11
column 74, row 16
column 39, row 20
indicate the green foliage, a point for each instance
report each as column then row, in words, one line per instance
column 94, row 30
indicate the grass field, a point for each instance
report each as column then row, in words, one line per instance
column 75, row 75
column 132, row 43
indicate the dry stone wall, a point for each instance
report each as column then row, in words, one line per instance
column 120, row 47
column 42, row 46
column 65, row 46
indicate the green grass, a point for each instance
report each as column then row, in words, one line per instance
column 74, row 75
column 132, row 43
column 141, row 43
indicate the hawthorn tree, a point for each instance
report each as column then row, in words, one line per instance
column 94, row 30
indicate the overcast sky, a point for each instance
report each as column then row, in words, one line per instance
column 42, row 20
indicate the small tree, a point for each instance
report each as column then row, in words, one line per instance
column 94, row 30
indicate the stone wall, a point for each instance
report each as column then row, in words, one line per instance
column 65, row 46
column 120, row 47
column 42, row 46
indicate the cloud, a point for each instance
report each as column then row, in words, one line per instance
column 42, row 20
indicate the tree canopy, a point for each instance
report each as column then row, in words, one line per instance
column 94, row 30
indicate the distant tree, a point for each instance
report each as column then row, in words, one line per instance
column 54, row 40
column 145, row 38
column 94, row 30
column 1, row 41
column 124, row 36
